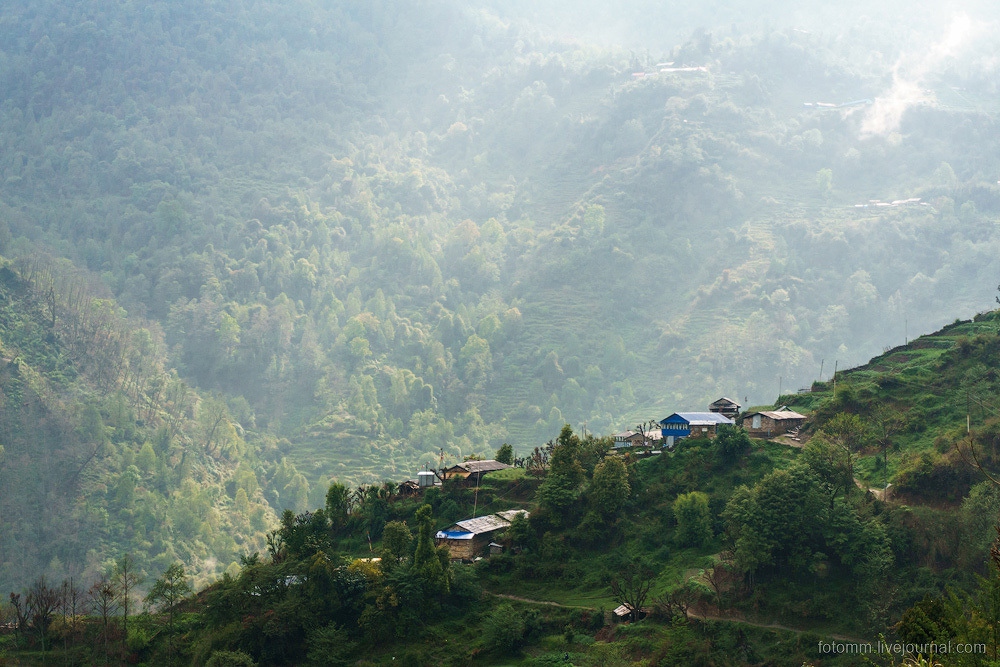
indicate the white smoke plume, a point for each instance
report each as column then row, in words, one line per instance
column 910, row 73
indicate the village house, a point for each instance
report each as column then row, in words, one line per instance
column 634, row 439
column 468, row 539
column 726, row 407
column 409, row 488
column 692, row 425
column 771, row 423
column 473, row 471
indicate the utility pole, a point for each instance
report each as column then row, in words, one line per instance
column 475, row 503
column 835, row 377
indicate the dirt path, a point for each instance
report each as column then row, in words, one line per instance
column 878, row 493
column 691, row 614
column 543, row 602
column 772, row 626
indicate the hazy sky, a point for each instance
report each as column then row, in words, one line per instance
column 658, row 25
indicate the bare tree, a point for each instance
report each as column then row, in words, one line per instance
column 72, row 604
column 43, row 602
column 885, row 424
column 632, row 586
column 645, row 429
column 21, row 613
column 848, row 433
column 538, row 461
column 722, row 576
column 678, row 601
column 104, row 602
column 126, row 579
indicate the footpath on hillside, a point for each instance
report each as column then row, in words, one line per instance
column 692, row 614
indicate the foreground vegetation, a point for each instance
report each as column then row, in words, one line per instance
column 728, row 551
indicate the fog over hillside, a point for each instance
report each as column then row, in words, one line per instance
column 353, row 239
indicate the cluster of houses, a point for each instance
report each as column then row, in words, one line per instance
column 469, row 538
column 721, row 413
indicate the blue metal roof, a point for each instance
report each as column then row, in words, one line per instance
column 454, row 535
column 699, row 418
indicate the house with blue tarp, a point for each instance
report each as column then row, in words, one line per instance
column 692, row 425
column 468, row 539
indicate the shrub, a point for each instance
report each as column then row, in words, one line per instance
column 230, row 659
column 694, row 523
column 503, row 630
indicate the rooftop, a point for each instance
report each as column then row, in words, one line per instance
column 467, row 529
column 699, row 418
column 778, row 415
column 725, row 401
column 480, row 466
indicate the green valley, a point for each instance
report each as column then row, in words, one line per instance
column 736, row 551
column 252, row 251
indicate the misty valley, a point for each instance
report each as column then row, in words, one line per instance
column 499, row 333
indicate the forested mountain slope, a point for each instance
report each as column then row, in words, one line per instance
column 383, row 230
column 105, row 452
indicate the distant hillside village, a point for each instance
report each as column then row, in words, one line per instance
column 721, row 413
column 473, row 538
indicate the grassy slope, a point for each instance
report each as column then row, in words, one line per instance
column 932, row 385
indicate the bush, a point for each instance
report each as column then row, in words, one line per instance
column 732, row 443
column 694, row 523
column 230, row 659
column 329, row 646
column 503, row 630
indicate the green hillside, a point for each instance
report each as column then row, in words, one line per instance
column 738, row 551
column 104, row 451
column 930, row 404
column 383, row 233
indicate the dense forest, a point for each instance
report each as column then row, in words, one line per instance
column 250, row 248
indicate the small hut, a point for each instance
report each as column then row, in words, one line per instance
column 473, row 471
column 771, row 423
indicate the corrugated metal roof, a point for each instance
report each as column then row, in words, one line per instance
column 778, row 415
column 701, row 418
column 510, row 514
column 725, row 401
column 480, row 466
column 483, row 524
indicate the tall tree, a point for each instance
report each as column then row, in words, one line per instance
column 126, row 579
column 505, row 454
column 396, row 541
column 338, row 504
column 167, row 592
column 609, row 488
column 426, row 561
column 849, row 434
column 104, row 602
column 562, row 483
column 694, row 522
